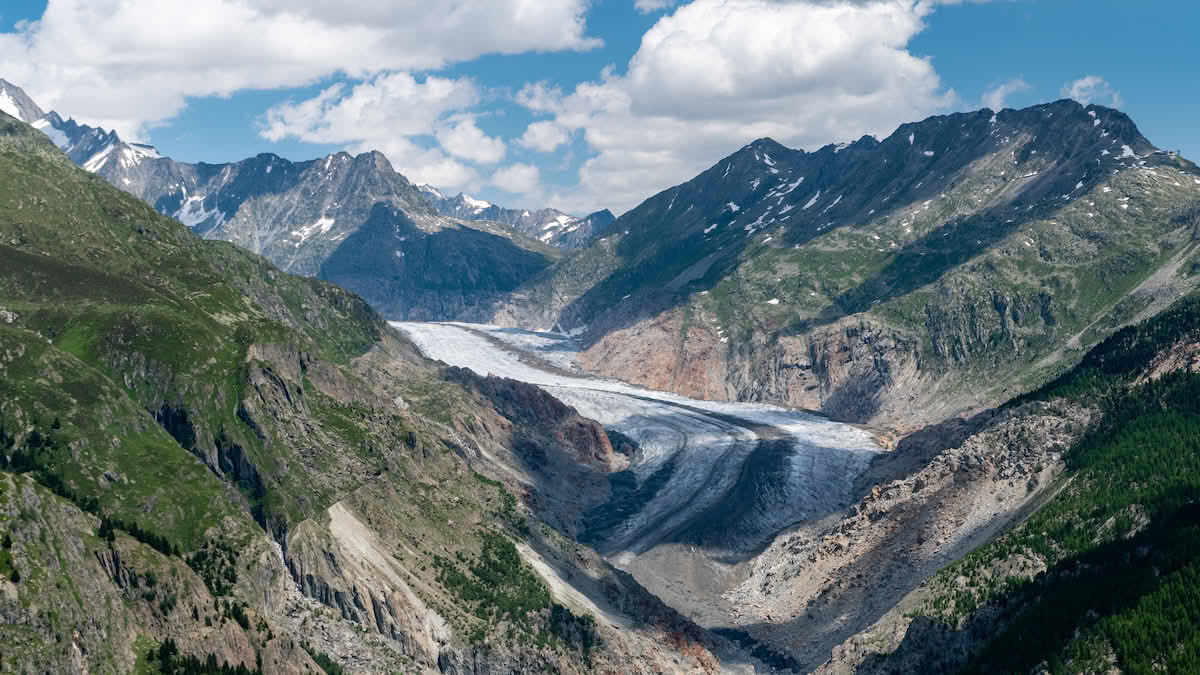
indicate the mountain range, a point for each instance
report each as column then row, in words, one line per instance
column 215, row 453
column 939, row 271
column 547, row 225
column 314, row 217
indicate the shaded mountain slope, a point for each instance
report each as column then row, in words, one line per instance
column 898, row 281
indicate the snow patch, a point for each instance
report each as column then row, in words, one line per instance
column 811, row 201
column 193, row 213
column 911, row 138
column 8, row 105
column 322, row 226
column 477, row 204
column 96, row 162
column 733, row 208
column 773, row 301
column 710, row 228
column 928, row 153
column 792, row 186
column 1127, row 151
column 431, row 190
column 57, row 137
column 835, row 203
column 133, row 154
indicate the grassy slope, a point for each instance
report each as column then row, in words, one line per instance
column 116, row 312
column 113, row 310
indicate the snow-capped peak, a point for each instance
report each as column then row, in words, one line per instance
column 429, row 189
column 14, row 102
column 477, row 204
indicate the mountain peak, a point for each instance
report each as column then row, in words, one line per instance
column 471, row 202
column 16, row 103
column 764, row 143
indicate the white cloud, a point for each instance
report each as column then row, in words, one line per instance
column 995, row 97
column 131, row 64
column 517, row 178
column 1092, row 89
column 647, row 6
column 462, row 138
column 543, row 136
column 390, row 113
column 715, row 74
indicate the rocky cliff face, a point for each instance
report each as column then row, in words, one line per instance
column 937, row 496
column 456, row 272
column 963, row 257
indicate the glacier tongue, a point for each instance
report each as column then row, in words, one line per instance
column 719, row 457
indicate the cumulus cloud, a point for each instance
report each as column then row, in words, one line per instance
column 543, row 136
column 461, row 137
column 390, row 113
column 647, row 6
column 131, row 64
column 715, row 74
column 517, row 178
column 996, row 96
column 1092, row 89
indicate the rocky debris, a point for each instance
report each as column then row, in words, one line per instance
column 830, row 581
column 521, row 403
column 1182, row 356
column 347, row 568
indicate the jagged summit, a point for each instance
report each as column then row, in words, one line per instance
column 16, row 103
column 547, row 225
column 315, row 218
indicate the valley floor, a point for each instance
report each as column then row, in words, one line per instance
column 711, row 483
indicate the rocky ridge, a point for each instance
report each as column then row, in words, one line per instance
column 314, row 218
column 547, row 225
column 984, row 247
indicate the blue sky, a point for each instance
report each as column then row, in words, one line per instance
column 708, row 79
